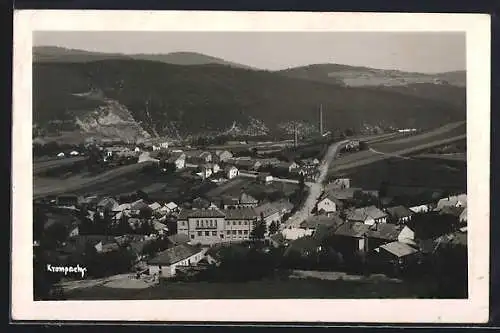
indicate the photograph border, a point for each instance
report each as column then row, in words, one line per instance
column 475, row 309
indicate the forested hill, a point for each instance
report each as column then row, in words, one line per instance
column 160, row 97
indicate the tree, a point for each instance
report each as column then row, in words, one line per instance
column 302, row 183
column 273, row 228
column 259, row 230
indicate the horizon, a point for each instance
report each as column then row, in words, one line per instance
column 422, row 52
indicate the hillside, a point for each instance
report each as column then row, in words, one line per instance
column 164, row 99
column 60, row 54
column 364, row 76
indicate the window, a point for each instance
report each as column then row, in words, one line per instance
column 239, row 222
column 228, row 232
column 207, row 233
column 214, row 233
column 239, row 232
column 246, row 222
column 197, row 224
column 192, row 236
column 221, row 235
column 199, row 233
column 245, row 232
column 234, row 232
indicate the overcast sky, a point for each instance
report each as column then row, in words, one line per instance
column 418, row 52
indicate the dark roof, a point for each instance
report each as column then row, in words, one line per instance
column 399, row 249
column 385, row 231
column 364, row 213
column 340, row 193
column 185, row 213
column 315, row 221
column 399, row 211
column 352, row 229
column 240, row 214
column 271, row 208
column 175, row 254
column 247, row 199
column 451, row 210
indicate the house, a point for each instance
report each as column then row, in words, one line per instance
column 247, row 164
column 399, row 214
column 68, row 200
column 303, row 246
column 206, row 171
column 171, row 207
column 74, row 153
column 296, row 233
column 342, row 194
column 239, row 223
column 313, row 222
column 381, row 233
column 137, row 150
column 264, row 178
column 339, row 183
column 286, row 167
column 421, row 208
column 60, row 155
column 328, row 203
column 454, row 211
column 273, row 211
column 351, row 236
column 107, row 205
column 206, row 157
column 215, row 167
column 407, row 236
column 457, row 201
column 167, row 262
column 202, row 203
column 139, row 206
column 246, row 200
column 155, row 207
column 204, row 226
column 367, row 215
column 463, row 217
column 160, row 227
column 398, row 253
column 222, row 155
column 231, row 171
column 179, row 159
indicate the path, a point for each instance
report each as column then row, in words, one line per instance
column 315, row 189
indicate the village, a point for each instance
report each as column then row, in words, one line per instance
column 256, row 201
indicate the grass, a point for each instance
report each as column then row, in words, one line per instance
column 409, row 175
column 262, row 289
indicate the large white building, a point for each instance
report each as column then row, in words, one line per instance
column 211, row 226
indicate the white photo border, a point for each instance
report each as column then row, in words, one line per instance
column 475, row 309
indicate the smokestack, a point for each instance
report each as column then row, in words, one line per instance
column 321, row 119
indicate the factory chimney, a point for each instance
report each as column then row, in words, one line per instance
column 321, row 119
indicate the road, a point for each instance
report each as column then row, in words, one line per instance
column 315, row 189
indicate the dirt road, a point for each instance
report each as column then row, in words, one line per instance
column 315, row 189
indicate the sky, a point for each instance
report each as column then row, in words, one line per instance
column 425, row 52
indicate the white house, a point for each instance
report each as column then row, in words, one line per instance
column 167, row 262
column 171, row 207
column 328, row 203
column 155, row 207
column 60, row 155
column 137, row 150
column 179, row 159
column 74, row 153
column 206, row 171
column 424, row 208
column 463, row 216
column 456, row 201
column 231, row 172
column 407, row 236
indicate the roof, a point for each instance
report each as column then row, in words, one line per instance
column 271, row 208
column 352, row 229
column 314, row 222
column 247, row 199
column 200, row 213
column 452, row 201
column 385, row 231
column 138, row 205
column 121, row 207
column 399, row 249
column 175, row 254
column 364, row 213
column 399, row 211
column 155, row 206
column 171, row 205
column 340, row 193
column 452, row 210
column 230, row 167
column 107, row 203
column 240, row 214
column 158, row 226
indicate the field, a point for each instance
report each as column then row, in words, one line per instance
column 410, row 175
column 263, row 289
column 400, row 147
column 85, row 181
column 45, row 165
